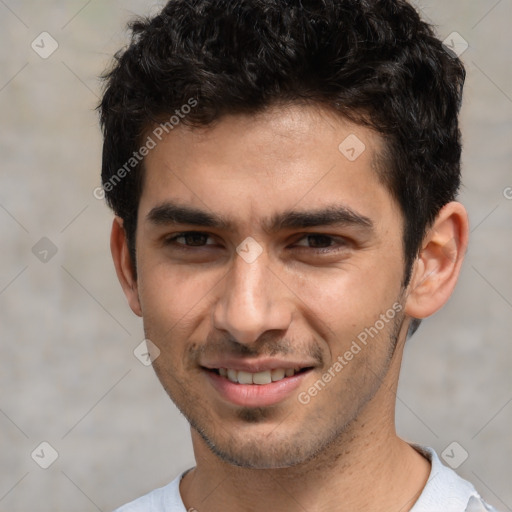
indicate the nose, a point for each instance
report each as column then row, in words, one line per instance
column 252, row 301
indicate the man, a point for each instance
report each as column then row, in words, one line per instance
column 284, row 175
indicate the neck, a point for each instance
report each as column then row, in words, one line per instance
column 384, row 484
column 368, row 468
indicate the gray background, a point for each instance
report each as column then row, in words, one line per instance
column 68, row 374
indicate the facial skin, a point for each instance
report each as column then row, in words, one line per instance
column 304, row 300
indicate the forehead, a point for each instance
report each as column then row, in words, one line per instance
column 253, row 166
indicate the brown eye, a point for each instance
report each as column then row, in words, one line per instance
column 314, row 241
column 319, row 241
column 189, row 239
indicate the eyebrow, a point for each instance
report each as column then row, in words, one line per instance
column 332, row 215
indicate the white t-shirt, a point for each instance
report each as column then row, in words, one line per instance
column 445, row 491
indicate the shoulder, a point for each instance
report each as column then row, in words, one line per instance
column 163, row 499
column 446, row 491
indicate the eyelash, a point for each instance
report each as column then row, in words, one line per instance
column 341, row 242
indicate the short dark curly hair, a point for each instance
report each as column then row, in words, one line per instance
column 375, row 62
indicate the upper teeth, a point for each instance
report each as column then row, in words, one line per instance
column 265, row 377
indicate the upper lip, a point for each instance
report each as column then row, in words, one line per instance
column 255, row 366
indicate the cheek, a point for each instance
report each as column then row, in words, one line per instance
column 346, row 300
column 174, row 301
column 170, row 291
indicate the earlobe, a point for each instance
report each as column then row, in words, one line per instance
column 124, row 265
column 438, row 264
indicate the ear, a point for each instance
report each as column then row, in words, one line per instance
column 438, row 264
column 124, row 265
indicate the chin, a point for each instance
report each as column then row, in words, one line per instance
column 258, row 455
column 261, row 449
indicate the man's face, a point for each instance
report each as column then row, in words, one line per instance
column 297, row 294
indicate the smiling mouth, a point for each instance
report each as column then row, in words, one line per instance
column 259, row 378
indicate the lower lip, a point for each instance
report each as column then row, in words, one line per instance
column 255, row 395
